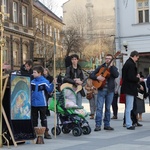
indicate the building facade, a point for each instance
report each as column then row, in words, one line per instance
column 133, row 31
column 47, row 28
column 18, row 32
column 29, row 32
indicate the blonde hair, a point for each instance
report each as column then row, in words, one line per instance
column 48, row 72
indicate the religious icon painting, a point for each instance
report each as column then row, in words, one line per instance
column 20, row 99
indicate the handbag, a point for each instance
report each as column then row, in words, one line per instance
column 89, row 96
column 140, row 96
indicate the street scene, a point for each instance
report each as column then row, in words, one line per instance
column 84, row 64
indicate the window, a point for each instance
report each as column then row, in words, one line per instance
column 50, row 31
column 37, row 47
column 58, row 34
column 36, row 22
column 46, row 29
column 5, row 4
column 5, row 53
column 15, row 53
column 40, row 21
column 55, row 32
column 143, row 11
column 15, row 12
column 43, row 27
column 24, row 15
column 25, row 52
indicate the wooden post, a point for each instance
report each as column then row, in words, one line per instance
column 2, row 44
column 55, row 83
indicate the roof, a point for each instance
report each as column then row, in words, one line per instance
column 45, row 10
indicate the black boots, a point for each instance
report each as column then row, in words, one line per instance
column 47, row 135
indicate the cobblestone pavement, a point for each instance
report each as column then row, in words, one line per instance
column 120, row 138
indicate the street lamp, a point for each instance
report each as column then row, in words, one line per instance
column 125, row 45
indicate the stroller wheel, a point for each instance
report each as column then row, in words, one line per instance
column 65, row 130
column 86, row 130
column 76, row 131
column 58, row 130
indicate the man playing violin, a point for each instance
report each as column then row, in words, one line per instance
column 105, row 76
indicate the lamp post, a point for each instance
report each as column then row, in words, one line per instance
column 2, row 44
column 125, row 45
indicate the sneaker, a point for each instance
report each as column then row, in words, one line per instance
column 131, row 128
column 108, row 128
column 97, row 129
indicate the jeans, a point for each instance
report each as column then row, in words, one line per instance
column 107, row 98
column 129, row 107
column 92, row 103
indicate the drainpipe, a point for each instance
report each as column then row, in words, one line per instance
column 118, row 38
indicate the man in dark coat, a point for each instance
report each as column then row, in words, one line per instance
column 129, row 85
column 26, row 69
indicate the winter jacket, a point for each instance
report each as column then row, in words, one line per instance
column 70, row 76
column 38, row 87
column 129, row 78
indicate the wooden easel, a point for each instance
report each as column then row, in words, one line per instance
column 5, row 79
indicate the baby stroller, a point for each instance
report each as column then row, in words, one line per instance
column 72, row 117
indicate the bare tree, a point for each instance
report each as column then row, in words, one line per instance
column 78, row 20
column 51, row 5
column 72, row 41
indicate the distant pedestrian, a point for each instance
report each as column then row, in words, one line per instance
column 115, row 99
column 140, row 99
column 91, row 89
column 148, row 86
column 48, row 95
column 59, row 81
column 26, row 69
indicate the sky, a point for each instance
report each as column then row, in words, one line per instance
column 56, row 6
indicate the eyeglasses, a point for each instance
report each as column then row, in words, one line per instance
column 108, row 58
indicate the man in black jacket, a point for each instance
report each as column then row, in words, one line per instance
column 129, row 85
column 26, row 69
column 75, row 76
column 106, row 92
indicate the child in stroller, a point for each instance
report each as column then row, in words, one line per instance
column 69, row 114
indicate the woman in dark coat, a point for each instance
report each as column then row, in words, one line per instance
column 140, row 101
column 50, row 79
